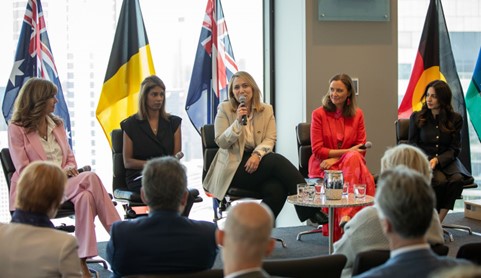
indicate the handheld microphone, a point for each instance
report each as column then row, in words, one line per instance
column 366, row 145
column 242, row 100
column 179, row 155
column 85, row 168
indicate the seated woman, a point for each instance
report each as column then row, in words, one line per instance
column 150, row 133
column 337, row 137
column 436, row 129
column 35, row 133
column 364, row 231
column 32, row 237
column 245, row 131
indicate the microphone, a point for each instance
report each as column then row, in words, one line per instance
column 366, row 145
column 242, row 100
column 85, row 168
column 179, row 155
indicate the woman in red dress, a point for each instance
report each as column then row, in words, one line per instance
column 337, row 137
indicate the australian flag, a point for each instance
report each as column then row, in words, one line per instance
column 34, row 58
column 213, row 67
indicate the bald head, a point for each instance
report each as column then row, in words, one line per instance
column 246, row 237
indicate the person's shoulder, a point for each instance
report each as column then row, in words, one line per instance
column 129, row 121
column 174, row 118
column 200, row 226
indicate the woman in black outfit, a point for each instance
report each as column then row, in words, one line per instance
column 150, row 133
column 436, row 129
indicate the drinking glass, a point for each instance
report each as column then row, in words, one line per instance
column 345, row 189
column 360, row 190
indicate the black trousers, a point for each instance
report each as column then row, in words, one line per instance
column 274, row 179
column 447, row 189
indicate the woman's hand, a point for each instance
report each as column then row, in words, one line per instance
column 327, row 163
column 252, row 164
column 71, row 171
column 241, row 111
column 433, row 163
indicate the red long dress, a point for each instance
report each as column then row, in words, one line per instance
column 331, row 130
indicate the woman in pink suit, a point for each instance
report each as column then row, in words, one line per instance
column 36, row 134
column 337, row 136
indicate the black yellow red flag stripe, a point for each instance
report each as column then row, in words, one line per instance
column 435, row 60
column 130, row 62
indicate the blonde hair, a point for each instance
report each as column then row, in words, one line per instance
column 348, row 110
column 148, row 84
column 40, row 187
column 256, row 92
column 409, row 156
column 31, row 102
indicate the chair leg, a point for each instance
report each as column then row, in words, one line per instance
column 314, row 231
column 449, row 235
column 458, row 227
column 283, row 243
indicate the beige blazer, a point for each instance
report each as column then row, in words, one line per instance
column 29, row 251
column 229, row 136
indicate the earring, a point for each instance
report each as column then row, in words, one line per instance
column 348, row 101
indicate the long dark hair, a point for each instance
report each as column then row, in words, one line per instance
column 446, row 111
column 350, row 105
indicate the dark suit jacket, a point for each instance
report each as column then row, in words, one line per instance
column 163, row 242
column 416, row 263
column 254, row 274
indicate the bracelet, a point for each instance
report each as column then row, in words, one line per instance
column 258, row 154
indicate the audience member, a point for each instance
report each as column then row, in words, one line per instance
column 364, row 231
column 436, row 129
column 246, row 240
column 35, row 133
column 149, row 133
column 338, row 136
column 163, row 242
column 31, row 246
column 245, row 131
column 406, row 203
column 462, row 271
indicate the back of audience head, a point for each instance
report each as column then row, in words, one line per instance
column 247, row 231
column 40, row 188
column 461, row 271
column 164, row 184
column 408, row 156
column 406, row 200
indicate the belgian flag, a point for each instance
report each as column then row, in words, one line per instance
column 129, row 64
column 434, row 61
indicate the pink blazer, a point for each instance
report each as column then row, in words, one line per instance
column 26, row 147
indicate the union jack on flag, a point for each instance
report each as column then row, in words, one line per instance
column 34, row 58
column 213, row 67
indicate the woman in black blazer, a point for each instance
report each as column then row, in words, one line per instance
column 436, row 129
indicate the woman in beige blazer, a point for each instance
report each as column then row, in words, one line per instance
column 245, row 131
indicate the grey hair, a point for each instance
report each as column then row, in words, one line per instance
column 164, row 181
column 406, row 200
column 409, row 156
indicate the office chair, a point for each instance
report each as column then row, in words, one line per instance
column 209, row 150
column 471, row 252
column 328, row 266
column 304, row 151
column 402, row 134
column 66, row 209
column 128, row 198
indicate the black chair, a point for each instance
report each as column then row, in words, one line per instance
column 320, row 266
column 210, row 273
column 471, row 252
column 209, row 150
column 66, row 209
column 304, row 151
column 131, row 200
column 402, row 134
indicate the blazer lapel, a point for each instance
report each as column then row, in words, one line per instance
column 34, row 140
column 145, row 127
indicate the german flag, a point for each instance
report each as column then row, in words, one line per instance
column 434, row 61
column 129, row 64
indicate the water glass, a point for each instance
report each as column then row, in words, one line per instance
column 345, row 189
column 301, row 191
column 319, row 186
column 310, row 193
column 360, row 190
